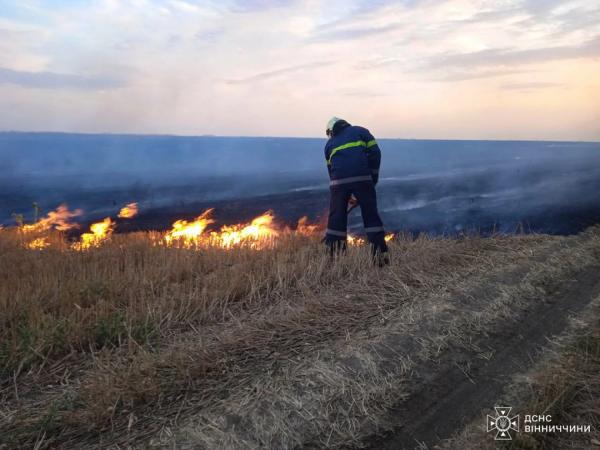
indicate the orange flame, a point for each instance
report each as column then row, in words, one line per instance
column 260, row 233
column 100, row 232
column 355, row 240
column 58, row 218
column 38, row 244
column 128, row 211
column 257, row 234
column 306, row 229
column 189, row 234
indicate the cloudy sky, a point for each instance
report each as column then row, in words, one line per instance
column 458, row 69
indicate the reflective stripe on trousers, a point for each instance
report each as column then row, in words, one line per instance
column 337, row 225
column 351, row 180
column 336, row 233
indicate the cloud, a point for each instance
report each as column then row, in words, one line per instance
column 367, row 6
column 183, row 6
column 210, row 36
column 530, row 86
column 155, row 65
column 507, row 56
column 558, row 16
column 8, row 35
column 235, row 6
column 577, row 19
column 52, row 80
column 248, row 6
column 492, row 15
column 541, row 7
column 478, row 74
column 353, row 33
column 275, row 73
column 355, row 18
column 363, row 93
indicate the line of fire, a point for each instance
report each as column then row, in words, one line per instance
column 262, row 232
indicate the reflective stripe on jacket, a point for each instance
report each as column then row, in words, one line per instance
column 352, row 154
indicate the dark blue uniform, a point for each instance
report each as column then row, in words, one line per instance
column 353, row 159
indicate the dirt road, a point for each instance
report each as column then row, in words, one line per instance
column 455, row 389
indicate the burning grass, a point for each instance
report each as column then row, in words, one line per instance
column 111, row 345
column 59, row 219
column 128, row 211
column 103, row 289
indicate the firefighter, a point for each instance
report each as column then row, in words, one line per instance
column 353, row 158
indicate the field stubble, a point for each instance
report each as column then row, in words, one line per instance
column 124, row 343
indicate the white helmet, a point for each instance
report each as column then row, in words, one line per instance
column 331, row 123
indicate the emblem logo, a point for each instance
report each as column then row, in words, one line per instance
column 502, row 423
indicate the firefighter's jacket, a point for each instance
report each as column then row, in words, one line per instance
column 352, row 155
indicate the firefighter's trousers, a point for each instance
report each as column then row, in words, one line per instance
column 364, row 191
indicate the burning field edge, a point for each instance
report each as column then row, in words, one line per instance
column 258, row 343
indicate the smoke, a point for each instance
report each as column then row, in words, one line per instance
column 140, row 157
column 436, row 186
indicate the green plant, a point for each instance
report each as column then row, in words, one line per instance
column 108, row 330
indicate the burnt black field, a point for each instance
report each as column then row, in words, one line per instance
column 438, row 187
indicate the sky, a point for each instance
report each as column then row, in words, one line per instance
column 455, row 69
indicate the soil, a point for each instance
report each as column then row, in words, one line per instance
column 444, row 403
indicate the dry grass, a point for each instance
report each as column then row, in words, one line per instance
column 343, row 392
column 55, row 301
column 564, row 384
column 567, row 387
column 113, row 345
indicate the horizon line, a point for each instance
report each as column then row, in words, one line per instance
column 133, row 134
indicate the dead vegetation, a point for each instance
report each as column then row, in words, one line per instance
column 138, row 344
column 564, row 384
column 567, row 387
